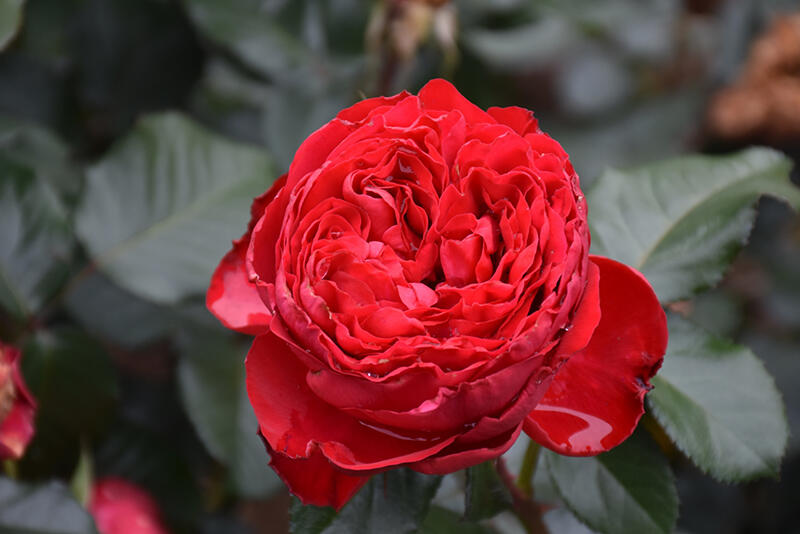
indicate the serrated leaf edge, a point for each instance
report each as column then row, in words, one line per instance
column 772, row 471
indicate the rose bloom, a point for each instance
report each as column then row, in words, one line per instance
column 421, row 289
column 120, row 507
column 17, row 406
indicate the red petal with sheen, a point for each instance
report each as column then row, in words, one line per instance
column 314, row 480
column 296, row 423
column 597, row 397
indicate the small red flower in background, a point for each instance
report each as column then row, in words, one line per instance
column 421, row 290
column 17, row 406
column 120, row 507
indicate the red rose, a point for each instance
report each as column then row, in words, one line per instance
column 421, row 287
column 120, row 507
column 17, row 406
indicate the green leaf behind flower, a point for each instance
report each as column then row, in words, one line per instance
column 682, row 221
column 134, row 323
column 212, row 385
column 277, row 37
column 37, row 148
column 35, row 240
column 161, row 208
column 394, row 502
column 719, row 405
column 629, row 489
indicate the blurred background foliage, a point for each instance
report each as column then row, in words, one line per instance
column 155, row 386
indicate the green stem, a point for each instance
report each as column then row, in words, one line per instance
column 529, row 463
column 526, row 508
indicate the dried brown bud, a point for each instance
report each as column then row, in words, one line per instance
column 764, row 104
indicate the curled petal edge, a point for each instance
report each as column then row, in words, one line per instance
column 597, row 397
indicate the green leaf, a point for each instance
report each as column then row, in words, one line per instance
column 394, row 502
column 35, row 240
column 41, row 509
column 310, row 519
column 251, row 31
column 276, row 37
column 72, row 379
column 10, row 20
column 719, row 405
column 443, row 521
column 562, row 521
column 161, row 208
column 682, row 221
column 133, row 323
column 629, row 489
column 486, row 495
column 34, row 147
column 212, row 385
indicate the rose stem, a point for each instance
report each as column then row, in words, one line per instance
column 526, row 508
column 529, row 463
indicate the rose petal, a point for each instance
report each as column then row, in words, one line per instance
column 120, row 507
column 597, row 397
column 459, row 456
column 314, row 480
column 587, row 316
column 440, row 95
column 233, row 299
column 361, row 110
column 453, row 408
column 316, row 148
column 295, row 421
column 16, row 430
column 519, row 119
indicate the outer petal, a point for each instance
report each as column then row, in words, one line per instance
column 231, row 297
column 460, row 456
column 596, row 398
column 296, row 423
column 521, row 120
column 441, row 95
column 360, row 110
column 314, row 480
